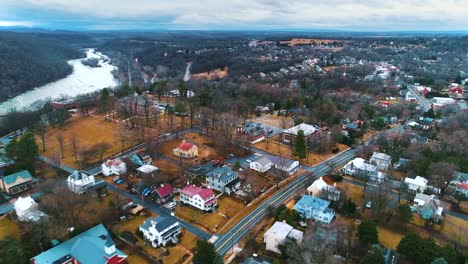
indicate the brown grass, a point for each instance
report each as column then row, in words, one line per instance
column 209, row 221
column 229, row 206
column 277, row 148
column 8, row 229
column 89, row 130
column 456, row 229
column 389, row 238
column 188, row 240
column 352, row 191
column 275, row 121
column 175, row 254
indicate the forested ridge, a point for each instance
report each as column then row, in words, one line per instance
column 29, row 60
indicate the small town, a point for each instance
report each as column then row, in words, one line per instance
column 210, row 147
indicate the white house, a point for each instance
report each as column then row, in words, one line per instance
column 79, row 182
column 381, row 160
column 27, row 209
column 160, row 230
column 359, row 167
column 261, row 165
column 114, row 167
column 286, row 165
column 278, row 234
column 322, row 188
column 416, row 185
column 311, row 207
column 201, row 198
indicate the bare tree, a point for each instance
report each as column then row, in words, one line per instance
column 99, row 150
column 123, row 137
column 441, row 173
column 74, row 144
column 228, row 122
column 41, row 129
column 60, row 141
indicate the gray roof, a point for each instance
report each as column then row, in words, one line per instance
column 264, row 161
column 160, row 222
column 221, row 173
column 78, row 175
column 257, row 260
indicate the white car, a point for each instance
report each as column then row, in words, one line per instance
column 249, row 160
column 369, row 204
column 170, row 205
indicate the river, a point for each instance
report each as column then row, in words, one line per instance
column 84, row 79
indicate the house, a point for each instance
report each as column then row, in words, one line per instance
column 428, row 207
column 459, row 183
column 416, row 185
column 324, row 187
column 198, row 197
column 251, row 132
column 311, row 132
column 147, row 170
column 311, row 207
column 94, row 246
column 139, row 158
column 256, row 260
column 200, row 170
column 381, row 160
column 261, row 165
column 161, row 230
column 286, row 165
column 358, row 167
column 164, row 193
column 114, row 167
column 278, row 234
column 17, row 182
column 27, row 209
column 223, row 179
column 186, row 150
column 79, row 182
column 401, row 163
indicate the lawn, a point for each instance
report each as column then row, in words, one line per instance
column 277, row 148
column 276, row 121
column 456, row 229
column 175, row 255
column 8, row 228
column 188, row 240
column 209, row 221
column 352, row 191
column 389, row 238
column 205, row 146
column 89, row 130
column 229, row 206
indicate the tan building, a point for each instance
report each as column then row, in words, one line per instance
column 17, row 182
column 310, row 133
column 186, row 150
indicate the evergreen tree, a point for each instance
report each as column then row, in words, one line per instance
column 205, row 254
column 23, row 152
column 373, row 257
column 368, row 233
column 300, row 150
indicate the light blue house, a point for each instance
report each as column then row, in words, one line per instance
column 94, row 246
column 311, row 207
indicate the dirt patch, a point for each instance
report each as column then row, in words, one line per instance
column 211, row 75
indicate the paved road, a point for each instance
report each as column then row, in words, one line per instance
column 160, row 210
column 423, row 102
column 226, row 241
column 55, row 164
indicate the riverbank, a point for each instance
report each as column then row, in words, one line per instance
column 83, row 79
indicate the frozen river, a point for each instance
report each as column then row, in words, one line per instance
column 84, row 79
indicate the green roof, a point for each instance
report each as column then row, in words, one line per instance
column 9, row 179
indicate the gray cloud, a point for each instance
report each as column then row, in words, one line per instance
column 347, row 14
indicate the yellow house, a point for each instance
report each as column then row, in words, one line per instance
column 17, row 182
column 186, row 150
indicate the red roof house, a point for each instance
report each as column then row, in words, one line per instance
column 186, row 150
column 201, row 198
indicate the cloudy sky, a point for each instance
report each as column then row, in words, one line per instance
column 358, row 15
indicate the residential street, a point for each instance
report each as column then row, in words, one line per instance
column 423, row 102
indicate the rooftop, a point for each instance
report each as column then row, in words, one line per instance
column 185, row 146
column 87, row 248
column 192, row 190
column 308, row 129
column 160, row 223
column 147, row 168
column 279, row 230
column 9, row 179
column 311, row 201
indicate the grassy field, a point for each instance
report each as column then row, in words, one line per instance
column 352, row 191
column 276, row 121
column 8, row 228
column 229, row 206
column 277, row 148
column 175, row 254
column 89, row 131
column 188, row 240
column 209, row 221
column 456, row 229
column 389, row 238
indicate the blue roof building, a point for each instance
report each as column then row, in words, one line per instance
column 311, row 207
column 223, row 179
column 17, row 182
column 94, row 246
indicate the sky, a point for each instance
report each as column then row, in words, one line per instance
column 351, row 15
